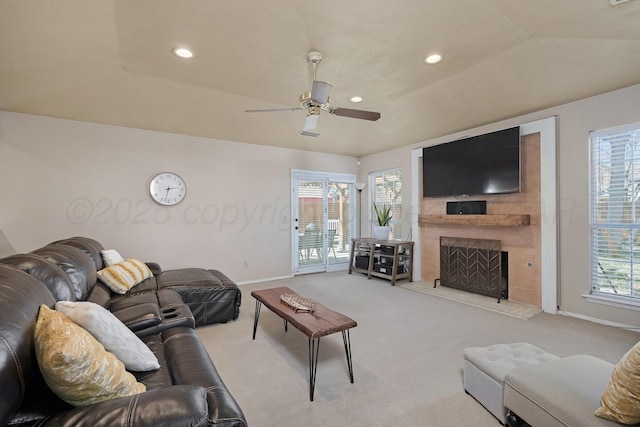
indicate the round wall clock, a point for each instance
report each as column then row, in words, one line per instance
column 167, row 189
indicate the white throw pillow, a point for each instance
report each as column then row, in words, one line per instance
column 111, row 256
column 111, row 333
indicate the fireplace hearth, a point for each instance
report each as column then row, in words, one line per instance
column 474, row 265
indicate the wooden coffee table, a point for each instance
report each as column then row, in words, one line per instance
column 321, row 322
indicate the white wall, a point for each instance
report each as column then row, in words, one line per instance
column 575, row 121
column 63, row 178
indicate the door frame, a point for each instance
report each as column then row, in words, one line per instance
column 325, row 177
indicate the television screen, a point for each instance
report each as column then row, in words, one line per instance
column 485, row 164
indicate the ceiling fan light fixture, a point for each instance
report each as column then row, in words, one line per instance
column 320, row 91
column 308, row 133
column 182, row 52
column 433, row 59
column 617, row 2
column 310, row 122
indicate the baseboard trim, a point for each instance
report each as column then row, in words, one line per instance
column 266, row 279
column 600, row 321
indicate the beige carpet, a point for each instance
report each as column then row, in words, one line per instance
column 407, row 355
column 510, row 308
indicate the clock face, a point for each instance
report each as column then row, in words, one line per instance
column 167, row 189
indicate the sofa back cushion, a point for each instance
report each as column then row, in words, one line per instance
column 91, row 247
column 52, row 276
column 75, row 263
column 24, row 396
column 101, row 295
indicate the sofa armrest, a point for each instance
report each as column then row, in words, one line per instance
column 139, row 317
column 154, row 267
column 181, row 405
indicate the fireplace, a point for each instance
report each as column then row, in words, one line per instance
column 503, row 221
column 474, row 265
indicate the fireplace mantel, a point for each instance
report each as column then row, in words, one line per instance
column 502, row 220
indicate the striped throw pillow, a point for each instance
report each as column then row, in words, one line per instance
column 123, row 276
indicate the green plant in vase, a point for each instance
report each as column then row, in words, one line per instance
column 384, row 214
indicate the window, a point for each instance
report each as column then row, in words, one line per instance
column 386, row 189
column 615, row 212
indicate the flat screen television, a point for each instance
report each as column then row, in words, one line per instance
column 484, row 164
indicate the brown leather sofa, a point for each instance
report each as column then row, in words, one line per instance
column 163, row 311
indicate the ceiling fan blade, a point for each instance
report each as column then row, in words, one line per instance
column 273, row 109
column 355, row 114
column 320, row 91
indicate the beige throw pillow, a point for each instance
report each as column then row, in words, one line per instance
column 621, row 397
column 123, row 276
column 75, row 366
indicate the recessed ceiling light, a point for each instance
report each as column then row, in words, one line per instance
column 355, row 99
column 433, row 59
column 182, row 52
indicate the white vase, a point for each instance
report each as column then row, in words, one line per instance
column 381, row 232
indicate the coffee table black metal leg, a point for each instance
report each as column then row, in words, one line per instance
column 314, row 347
column 256, row 316
column 347, row 349
column 286, row 326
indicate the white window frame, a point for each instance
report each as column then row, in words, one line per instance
column 600, row 270
column 396, row 220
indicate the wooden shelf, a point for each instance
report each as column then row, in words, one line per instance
column 371, row 249
column 506, row 220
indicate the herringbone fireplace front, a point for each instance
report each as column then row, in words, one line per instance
column 474, row 265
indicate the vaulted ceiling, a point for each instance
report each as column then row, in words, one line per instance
column 111, row 62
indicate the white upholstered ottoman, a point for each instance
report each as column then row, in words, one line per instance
column 485, row 368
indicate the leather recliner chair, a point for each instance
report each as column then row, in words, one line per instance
column 186, row 390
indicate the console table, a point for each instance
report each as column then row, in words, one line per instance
column 387, row 259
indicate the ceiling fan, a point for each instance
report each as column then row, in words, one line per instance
column 317, row 100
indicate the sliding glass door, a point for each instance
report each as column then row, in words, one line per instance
column 323, row 212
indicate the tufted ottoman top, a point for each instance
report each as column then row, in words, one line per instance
column 498, row 359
